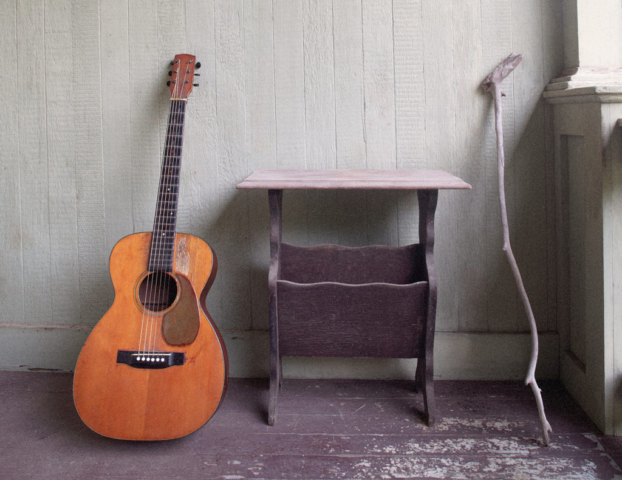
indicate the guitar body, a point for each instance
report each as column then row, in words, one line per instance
column 133, row 402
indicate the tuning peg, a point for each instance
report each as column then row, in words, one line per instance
column 197, row 74
column 195, row 84
column 173, row 62
column 168, row 84
column 170, row 74
column 197, row 65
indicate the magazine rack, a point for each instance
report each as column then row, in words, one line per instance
column 335, row 301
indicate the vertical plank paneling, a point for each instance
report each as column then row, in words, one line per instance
column 232, row 165
column 284, row 84
column 553, row 57
column 33, row 160
column 379, row 115
column 260, row 143
column 11, row 273
column 469, row 211
column 66, row 299
column 502, row 295
column 95, row 287
column 349, row 116
column 440, row 114
column 289, row 83
column 115, row 57
column 201, row 140
column 172, row 41
column 409, row 106
column 320, row 114
column 319, row 84
column 530, row 165
column 145, row 75
column 289, row 80
column 349, row 88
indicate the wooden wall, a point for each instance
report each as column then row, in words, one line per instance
column 284, row 84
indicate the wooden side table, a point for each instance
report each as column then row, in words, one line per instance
column 334, row 301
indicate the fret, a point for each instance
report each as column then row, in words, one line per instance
column 161, row 236
column 163, row 240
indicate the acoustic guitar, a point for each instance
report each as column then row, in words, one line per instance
column 155, row 366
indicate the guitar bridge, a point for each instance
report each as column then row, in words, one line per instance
column 152, row 360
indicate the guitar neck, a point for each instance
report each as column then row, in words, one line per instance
column 165, row 221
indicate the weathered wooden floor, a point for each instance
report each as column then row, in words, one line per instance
column 325, row 429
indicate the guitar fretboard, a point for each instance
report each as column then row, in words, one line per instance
column 163, row 241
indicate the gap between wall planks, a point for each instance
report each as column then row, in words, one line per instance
column 346, row 84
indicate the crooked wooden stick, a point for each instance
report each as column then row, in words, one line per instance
column 492, row 84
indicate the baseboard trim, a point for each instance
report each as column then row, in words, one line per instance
column 458, row 356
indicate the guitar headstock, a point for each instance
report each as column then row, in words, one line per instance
column 182, row 75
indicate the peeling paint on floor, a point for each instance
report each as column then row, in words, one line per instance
column 321, row 433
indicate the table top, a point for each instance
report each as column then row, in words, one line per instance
column 353, row 180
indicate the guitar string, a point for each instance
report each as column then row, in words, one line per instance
column 165, row 184
column 163, row 240
column 151, row 287
column 174, row 177
column 171, row 173
column 150, row 274
column 174, row 161
column 177, row 142
column 160, row 245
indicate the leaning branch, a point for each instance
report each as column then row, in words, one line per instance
column 492, row 85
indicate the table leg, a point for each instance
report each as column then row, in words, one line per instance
column 425, row 365
column 275, row 199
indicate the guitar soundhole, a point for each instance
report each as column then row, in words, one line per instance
column 157, row 291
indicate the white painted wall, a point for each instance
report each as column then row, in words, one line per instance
column 284, row 84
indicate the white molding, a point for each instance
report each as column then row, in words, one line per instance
column 458, row 356
column 586, row 85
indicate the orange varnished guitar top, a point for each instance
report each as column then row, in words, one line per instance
column 155, row 366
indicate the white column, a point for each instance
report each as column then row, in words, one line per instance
column 585, row 103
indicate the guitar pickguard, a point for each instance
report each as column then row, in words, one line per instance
column 180, row 325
